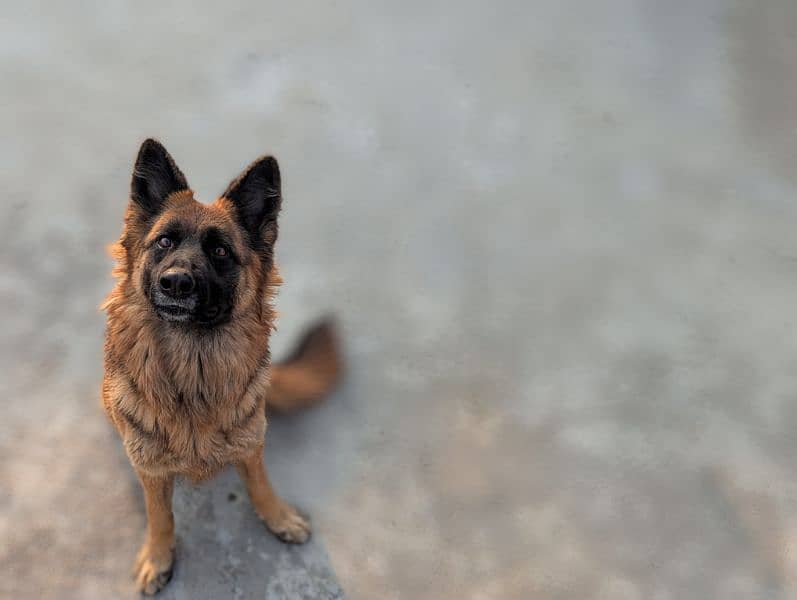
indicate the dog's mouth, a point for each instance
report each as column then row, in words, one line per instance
column 173, row 310
column 188, row 310
column 180, row 313
column 175, row 313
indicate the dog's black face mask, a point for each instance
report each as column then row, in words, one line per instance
column 191, row 276
column 192, row 255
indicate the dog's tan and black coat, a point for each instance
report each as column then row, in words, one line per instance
column 188, row 377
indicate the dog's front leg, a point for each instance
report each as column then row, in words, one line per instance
column 281, row 518
column 153, row 568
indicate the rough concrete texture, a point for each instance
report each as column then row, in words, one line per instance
column 224, row 553
column 560, row 240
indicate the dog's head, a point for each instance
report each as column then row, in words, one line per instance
column 197, row 264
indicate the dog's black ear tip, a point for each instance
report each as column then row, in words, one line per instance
column 261, row 176
column 268, row 167
column 256, row 193
column 155, row 176
column 150, row 147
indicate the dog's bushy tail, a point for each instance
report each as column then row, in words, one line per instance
column 311, row 371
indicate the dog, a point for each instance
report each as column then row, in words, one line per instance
column 188, row 377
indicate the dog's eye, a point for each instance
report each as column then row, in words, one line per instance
column 220, row 251
column 165, row 242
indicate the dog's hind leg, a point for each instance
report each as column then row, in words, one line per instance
column 281, row 518
column 153, row 568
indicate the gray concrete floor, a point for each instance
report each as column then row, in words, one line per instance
column 559, row 237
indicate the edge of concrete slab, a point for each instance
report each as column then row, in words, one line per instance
column 224, row 551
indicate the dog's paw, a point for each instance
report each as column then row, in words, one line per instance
column 153, row 569
column 287, row 524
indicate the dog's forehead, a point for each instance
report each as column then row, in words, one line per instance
column 194, row 217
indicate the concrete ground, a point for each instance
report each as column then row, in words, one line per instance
column 559, row 238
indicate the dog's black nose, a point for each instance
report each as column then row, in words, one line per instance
column 177, row 283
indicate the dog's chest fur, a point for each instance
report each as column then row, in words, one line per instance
column 183, row 402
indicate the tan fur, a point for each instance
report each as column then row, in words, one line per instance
column 187, row 404
column 200, row 399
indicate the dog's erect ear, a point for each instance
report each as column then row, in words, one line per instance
column 256, row 194
column 155, row 176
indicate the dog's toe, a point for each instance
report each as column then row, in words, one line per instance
column 153, row 570
column 288, row 525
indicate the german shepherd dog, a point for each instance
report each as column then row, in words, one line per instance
column 188, row 376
